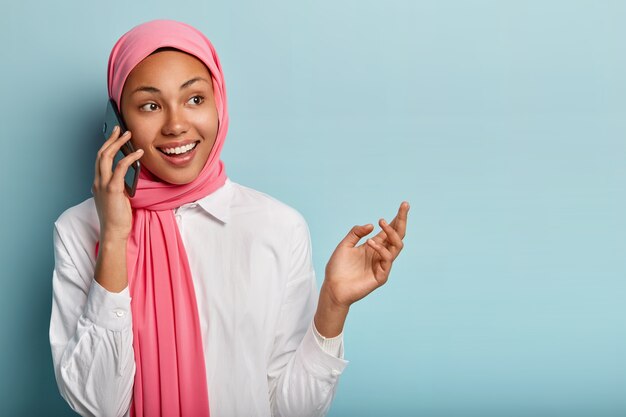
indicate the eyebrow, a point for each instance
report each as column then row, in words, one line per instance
column 150, row 89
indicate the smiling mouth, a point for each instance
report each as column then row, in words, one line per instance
column 179, row 150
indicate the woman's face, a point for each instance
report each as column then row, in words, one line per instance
column 168, row 105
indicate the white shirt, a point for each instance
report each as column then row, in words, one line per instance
column 251, row 263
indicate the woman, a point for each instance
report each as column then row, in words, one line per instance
column 198, row 294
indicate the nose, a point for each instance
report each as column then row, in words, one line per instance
column 175, row 123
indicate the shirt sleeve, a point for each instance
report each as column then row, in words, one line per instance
column 302, row 375
column 90, row 337
column 330, row 345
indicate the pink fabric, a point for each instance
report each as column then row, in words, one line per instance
column 171, row 375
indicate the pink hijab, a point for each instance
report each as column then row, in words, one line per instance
column 170, row 379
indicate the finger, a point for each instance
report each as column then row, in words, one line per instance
column 401, row 219
column 355, row 234
column 385, row 254
column 115, row 145
column 108, row 154
column 386, row 260
column 381, row 274
column 380, row 237
column 115, row 133
column 111, row 138
column 117, row 180
column 398, row 223
column 393, row 238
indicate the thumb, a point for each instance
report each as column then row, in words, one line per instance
column 355, row 234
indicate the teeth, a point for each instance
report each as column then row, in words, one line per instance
column 179, row 149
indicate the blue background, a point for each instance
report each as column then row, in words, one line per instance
column 501, row 122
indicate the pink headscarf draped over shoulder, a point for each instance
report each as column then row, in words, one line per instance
column 170, row 379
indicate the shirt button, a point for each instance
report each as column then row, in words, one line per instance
column 119, row 313
column 335, row 372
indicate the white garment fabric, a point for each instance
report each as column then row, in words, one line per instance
column 251, row 262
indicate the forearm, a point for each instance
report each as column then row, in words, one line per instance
column 306, row 385
column 96, row 371
column 92, row 352
column 111, row 271
column 329, row 317
column 302, row 381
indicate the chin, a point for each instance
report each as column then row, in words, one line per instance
column 180, row 181
column 172, row 175
column 176, row 179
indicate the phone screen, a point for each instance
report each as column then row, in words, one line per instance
column 111, row 119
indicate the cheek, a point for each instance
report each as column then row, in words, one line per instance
column 142, row 135
column 208, row 120
column 142, row 143
column 208, row 125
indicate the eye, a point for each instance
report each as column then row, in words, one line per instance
column 199, row 100
column 153, row 107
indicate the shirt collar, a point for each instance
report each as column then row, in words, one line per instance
column 218, row 202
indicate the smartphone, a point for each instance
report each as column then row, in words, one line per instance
column 112, row 117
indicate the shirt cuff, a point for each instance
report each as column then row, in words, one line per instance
column 108, row 309
column 330, row 345
column 318, row 361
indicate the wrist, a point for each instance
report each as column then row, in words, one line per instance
column 330, row 304
column 111, row 270
column 113, row 239
column 330, row 317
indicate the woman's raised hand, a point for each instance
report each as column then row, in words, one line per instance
column 112, row 202
column 355, row 271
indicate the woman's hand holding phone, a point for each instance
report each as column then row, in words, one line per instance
column 112, row 202
column 114, row 212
